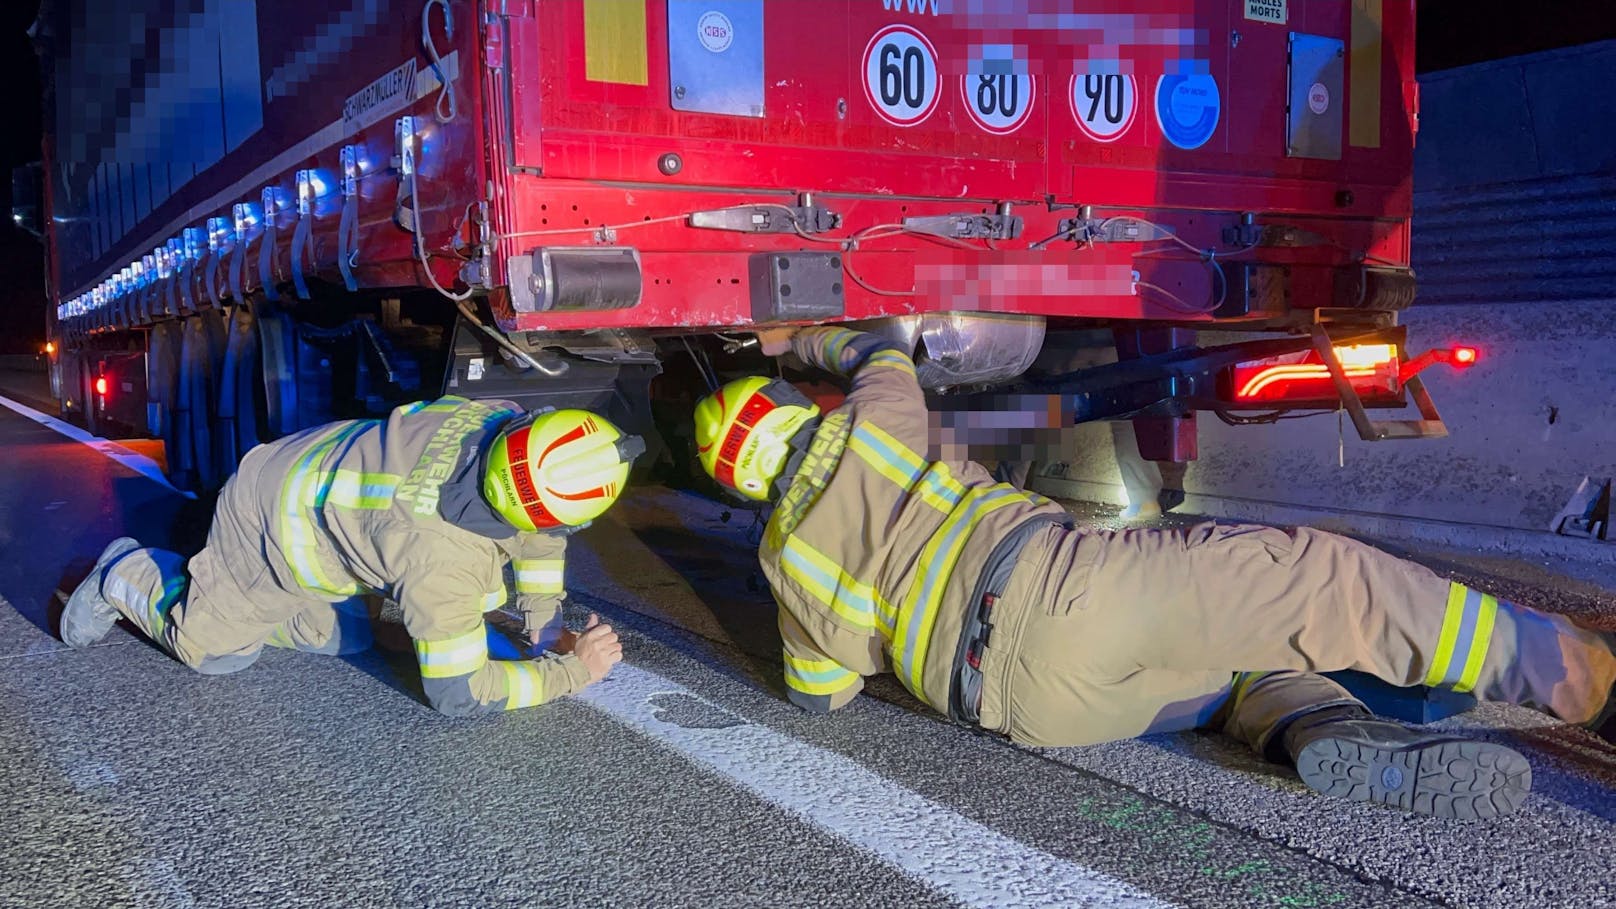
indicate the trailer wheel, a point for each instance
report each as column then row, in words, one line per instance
column 162, row 389
column 277, row 335
column 240, row 399
column 201, row 360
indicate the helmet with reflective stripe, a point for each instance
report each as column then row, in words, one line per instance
column 557, row 468
column 744, row 430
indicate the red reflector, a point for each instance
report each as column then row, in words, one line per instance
column 1465, row 356
column 101, row 386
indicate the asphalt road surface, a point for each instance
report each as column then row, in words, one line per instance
column 684, row 779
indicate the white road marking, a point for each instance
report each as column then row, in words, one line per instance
column 139, row 463
column 959, row 857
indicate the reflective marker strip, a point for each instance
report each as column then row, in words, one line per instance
column 539, row 575
column 1466, row 636
column 919, row 611
column 616, row 43
column 816, row 677
column 495, row 598
column 524, row 686
column 460, row 655
column 965, row 861
column 1366, row 69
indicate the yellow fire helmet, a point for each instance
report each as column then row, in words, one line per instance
column 557, row 468
column 744, row 430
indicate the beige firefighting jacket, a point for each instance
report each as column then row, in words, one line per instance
column 359, row 512
column 873, row 553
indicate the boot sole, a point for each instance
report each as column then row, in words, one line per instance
column 1451, row 779
column 86, row 599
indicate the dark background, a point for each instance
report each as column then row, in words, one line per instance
column 1451, row 33
column 22, row 258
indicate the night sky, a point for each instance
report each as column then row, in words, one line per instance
column 1452, row 33
column 22, row 279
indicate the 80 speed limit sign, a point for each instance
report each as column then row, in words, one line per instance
column 999, row 88
column 900, row 75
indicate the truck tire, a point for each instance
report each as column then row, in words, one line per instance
column 201, row 359
column 240, row 391
column 277, row 336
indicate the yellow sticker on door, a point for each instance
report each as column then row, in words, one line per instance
column 1273, row 11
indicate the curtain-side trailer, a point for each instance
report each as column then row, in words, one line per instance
column 263, row 216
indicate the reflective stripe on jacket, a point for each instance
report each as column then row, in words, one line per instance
column 873, row 549
column 357, row 512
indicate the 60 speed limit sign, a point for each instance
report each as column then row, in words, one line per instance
column 900, row 75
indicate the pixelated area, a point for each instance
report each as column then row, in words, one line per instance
column 1001, row 427
column 1112, row 34
column 992, row 283
column 141, row 111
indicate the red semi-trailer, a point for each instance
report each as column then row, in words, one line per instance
column 263, row 217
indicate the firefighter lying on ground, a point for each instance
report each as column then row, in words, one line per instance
column 427, row 507
column 990, row 607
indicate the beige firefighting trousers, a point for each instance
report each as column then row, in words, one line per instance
column 1101, row 636
column 219, row 618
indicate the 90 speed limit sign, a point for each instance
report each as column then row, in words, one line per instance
column 1105, row 102
column 900, row 75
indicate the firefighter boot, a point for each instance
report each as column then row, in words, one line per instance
column 1347, row 752
column 88, row 616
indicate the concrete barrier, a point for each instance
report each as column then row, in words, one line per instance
column 1536, row 415
column 1521, row 119
column 1515, row 249
column 1515, row 180
column 24, row 362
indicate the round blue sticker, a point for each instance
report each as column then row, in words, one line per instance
column 1188, row 107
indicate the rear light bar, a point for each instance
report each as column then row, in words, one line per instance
column 1375, row 371
column 1372, row 369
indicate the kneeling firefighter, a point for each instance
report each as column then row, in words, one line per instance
column 427, row 507
column 990, row 607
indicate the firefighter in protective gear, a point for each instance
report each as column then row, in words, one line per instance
column 991, row 608
column 427, row 507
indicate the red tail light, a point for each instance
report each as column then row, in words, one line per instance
column 1372, row 369
column 101, row 386
column 1460, row 357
